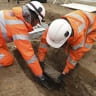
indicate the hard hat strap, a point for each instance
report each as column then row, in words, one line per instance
column 37, row 10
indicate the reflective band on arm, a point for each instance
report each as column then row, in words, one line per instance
column 32, row 60
column 43, row 45
column 0, row 65
column 79, row 45
column 80, row 28
column 91, row 19
column 2, row 24
column 20, row 37
column 11, row 22
column 1, row 56
column 88, row 46
column 71, row 61
column 90, row 29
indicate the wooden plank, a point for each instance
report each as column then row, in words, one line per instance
column 51, row 72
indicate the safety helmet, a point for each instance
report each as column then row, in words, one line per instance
column 58, row 33
column 38, row 8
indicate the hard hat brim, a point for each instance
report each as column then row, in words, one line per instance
column 53, row 44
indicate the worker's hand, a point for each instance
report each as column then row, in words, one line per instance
column 44, row 81
column 60, row 81
column 42, row 65
column 61, row 78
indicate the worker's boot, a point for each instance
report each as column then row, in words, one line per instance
column 44, row 81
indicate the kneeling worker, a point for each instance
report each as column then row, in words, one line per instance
column 77, row 30
column 14, row 26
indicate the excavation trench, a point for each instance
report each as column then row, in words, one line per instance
column 75, row 82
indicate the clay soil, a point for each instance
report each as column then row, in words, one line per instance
column 18, row 80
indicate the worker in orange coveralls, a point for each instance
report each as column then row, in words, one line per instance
column 77, row 30
column 14, row 26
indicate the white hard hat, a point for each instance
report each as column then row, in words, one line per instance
column 38, row 8
column 58, row 33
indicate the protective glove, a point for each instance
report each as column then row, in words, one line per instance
column 42, row 65
column 60, row 80
column 44, row 81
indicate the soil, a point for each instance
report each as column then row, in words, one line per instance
column 18, row 80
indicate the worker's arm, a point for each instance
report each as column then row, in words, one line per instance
column 42, row 50
column 73, row 58
column 5, row 46
column 76, row 54
column 24, row 46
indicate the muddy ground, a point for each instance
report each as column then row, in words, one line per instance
column 18, row 80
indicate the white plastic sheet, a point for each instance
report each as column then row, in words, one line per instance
column 38, row 31
column 88, row 0
column 80, row 7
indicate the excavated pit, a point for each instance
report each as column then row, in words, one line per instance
column 74, row 82
column 18, row 80
column 74, row 85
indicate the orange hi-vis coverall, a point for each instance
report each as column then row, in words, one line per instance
column 13, row 27
column 84, row 29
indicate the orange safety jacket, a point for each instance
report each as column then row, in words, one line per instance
column 84, row 28
column 13, row 27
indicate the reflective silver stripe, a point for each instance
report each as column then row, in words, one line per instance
column 0, row 65
column 14, row 22
column 20, row 37
column 80, row 28
column 41, row 60
column 2, row 24
column 88, row 46
column 71, row 61
column 1, row 56
column 90, row 29
column 91, row 19
column 79, row 45
column 43, row 45
column 32, row 60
